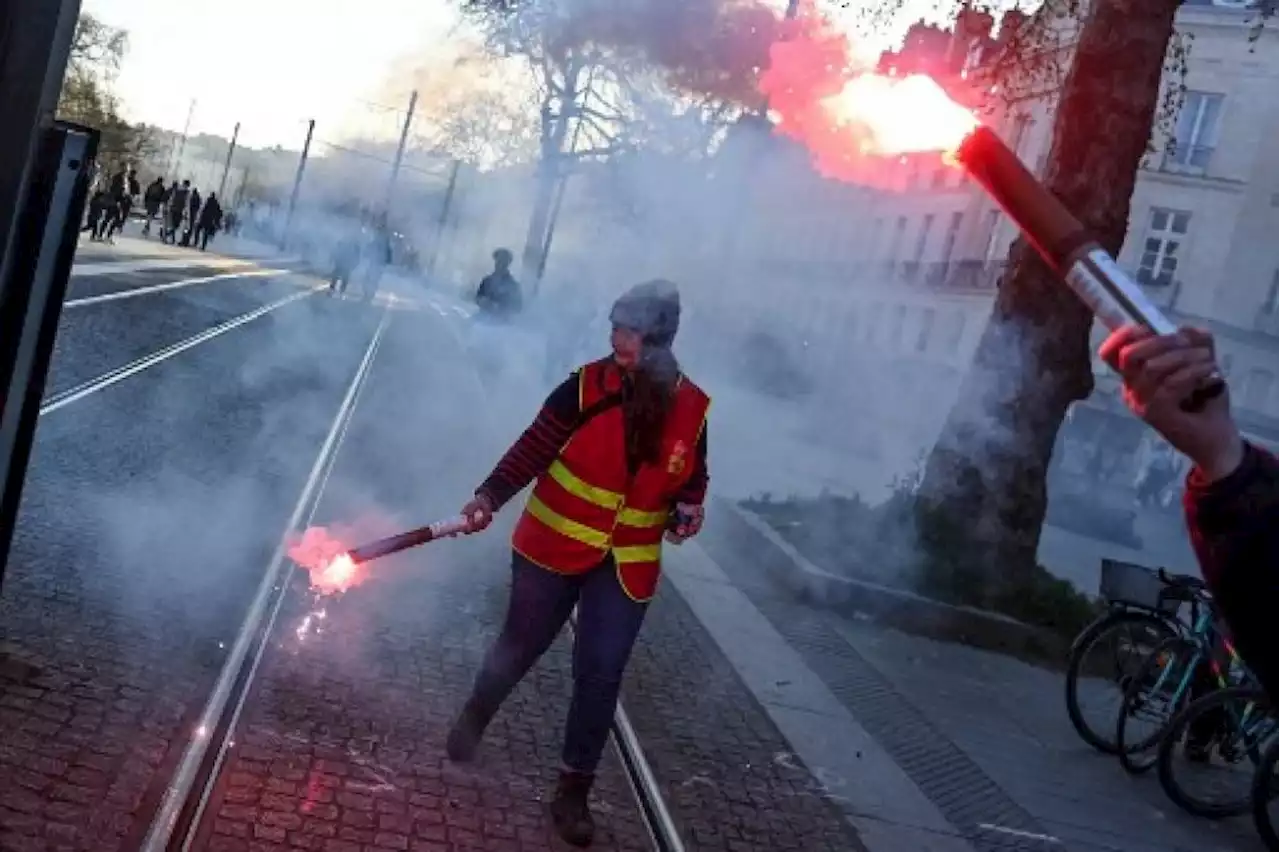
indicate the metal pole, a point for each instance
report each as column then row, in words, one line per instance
column 226, row 167
column 31, row 71
column 297, row 183
column 404, row 139
column 444, row 215
column 182, row 143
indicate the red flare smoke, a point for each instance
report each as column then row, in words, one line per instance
column 325, row 558
column 844, row 115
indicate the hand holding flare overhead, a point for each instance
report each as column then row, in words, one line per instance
column 844, row 117
column 334, row 568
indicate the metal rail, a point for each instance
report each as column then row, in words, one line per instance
column 653, row 807
column 178, row 816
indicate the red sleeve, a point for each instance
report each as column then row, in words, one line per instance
column 535, row 449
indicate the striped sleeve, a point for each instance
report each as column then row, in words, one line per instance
column 537, row 447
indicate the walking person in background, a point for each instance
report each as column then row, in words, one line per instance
column 209, row 222
column 619, row 455
column 178, row 197
column 122, row 209
column 193, row 216
column 151, row 203
column 499, row 293
column 97, row 209
column 1231, row 494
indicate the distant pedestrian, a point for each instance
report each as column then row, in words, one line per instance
column 193, row 214
column 209, row 222
column 151, row 203
column 498, row 295
column 97, row 209
column 177, row 208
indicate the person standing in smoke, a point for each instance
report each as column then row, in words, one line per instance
column 346, row 257
column 499, row 293
column 618, row 453
column 377, row 257
column 151, row 203
column 209, row 222
column 193, row 216
column 124, row 204
column 178, row 196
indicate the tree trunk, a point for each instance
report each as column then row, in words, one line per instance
column 982, row 499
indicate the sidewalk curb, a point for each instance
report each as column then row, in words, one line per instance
column 897, row 608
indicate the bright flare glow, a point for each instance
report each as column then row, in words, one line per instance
column 325, row 557
column 821, row 95
column 902, row 115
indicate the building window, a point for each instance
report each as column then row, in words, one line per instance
column 925, row 227
column 953, row 233
column 1259, row 387
column 940, row 175
column 1196, row 133
column 1269, row 303
column 896, row 326
column 899, row 228
column 1166, row 232
column 955, row 333
column 993, row 229
column 927, row 317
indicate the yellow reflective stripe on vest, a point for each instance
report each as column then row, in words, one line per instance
column 571, row 529
column 570, row 482
column 637, row 518
column 638, row 553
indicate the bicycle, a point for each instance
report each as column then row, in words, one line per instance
column 1142, row 611
column 1264, row 796
column 1162, row 685
column 1241, row 721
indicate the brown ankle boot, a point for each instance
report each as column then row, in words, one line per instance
column 569, row 809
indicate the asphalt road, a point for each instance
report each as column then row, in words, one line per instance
column 151, row 511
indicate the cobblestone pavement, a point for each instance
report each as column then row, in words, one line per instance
column 149, row 511
column 727, row 773
column 985, row 737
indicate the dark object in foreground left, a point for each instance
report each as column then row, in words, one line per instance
column 31, row 299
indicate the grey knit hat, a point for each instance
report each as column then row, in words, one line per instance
column 652, row 309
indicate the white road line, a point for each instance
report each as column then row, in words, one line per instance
column 106, row 380
column 179, row 788
column 172, row 285
column 1026, row 835
column 121, row 267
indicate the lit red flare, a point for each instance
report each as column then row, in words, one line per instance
column 327, row 560
column 843, row 114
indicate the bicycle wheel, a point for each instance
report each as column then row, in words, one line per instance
column 1264, row 796
column 1219, row 782
column 1103, row 659
column 1151, row 699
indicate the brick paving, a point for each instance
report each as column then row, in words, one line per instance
column 342, row 744
column 727, row 773
column 149, row 512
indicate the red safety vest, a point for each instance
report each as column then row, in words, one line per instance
column 587, row 504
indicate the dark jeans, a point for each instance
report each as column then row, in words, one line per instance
column 608, row 622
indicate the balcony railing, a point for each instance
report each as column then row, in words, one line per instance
column 1188, row 160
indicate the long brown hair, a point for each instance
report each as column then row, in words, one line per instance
column 646, row 399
